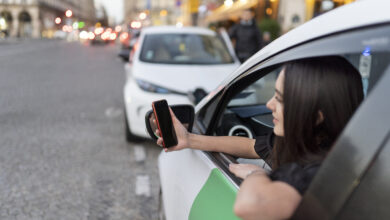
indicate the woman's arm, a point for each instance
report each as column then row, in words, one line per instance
column 261, row 198
column 237, row 146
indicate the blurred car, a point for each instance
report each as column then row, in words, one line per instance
column 352, row 181
column 169, row 63
column 99, row 37
column 128, row 40
column 59, row 34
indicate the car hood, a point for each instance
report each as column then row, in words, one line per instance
column 183, row 78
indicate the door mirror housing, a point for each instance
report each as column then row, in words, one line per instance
column 184, row 113
column 125, row 54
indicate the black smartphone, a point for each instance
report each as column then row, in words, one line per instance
column 164, row 123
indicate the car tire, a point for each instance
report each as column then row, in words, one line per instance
column 161, row 212
column 130, row 137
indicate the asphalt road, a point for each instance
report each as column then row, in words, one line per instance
column 63, row 153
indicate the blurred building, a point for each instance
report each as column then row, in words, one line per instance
column 288, row 13
column 293, row 13
column 36, row 18
column 153, row 12
column 102, row 16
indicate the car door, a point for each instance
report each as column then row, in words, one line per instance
column 195, row 187
column 243, row 100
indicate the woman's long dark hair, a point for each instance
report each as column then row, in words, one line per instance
column 330, row 86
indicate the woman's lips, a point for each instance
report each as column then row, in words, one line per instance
column 275, row 121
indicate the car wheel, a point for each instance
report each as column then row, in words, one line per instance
column 130, row 137
column 161, row 212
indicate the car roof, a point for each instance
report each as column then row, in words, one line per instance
column 174, row 29
column 357, row 14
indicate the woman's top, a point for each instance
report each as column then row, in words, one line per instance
column 293, row 174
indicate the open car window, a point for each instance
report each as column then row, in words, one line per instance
column 246, row 114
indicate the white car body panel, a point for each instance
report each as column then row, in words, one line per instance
column 139, row 102
column 183, row 77
column 178, row 197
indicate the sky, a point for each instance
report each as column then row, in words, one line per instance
column 114, row 8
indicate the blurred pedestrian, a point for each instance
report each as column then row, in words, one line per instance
column 266, row 39
column 246, row 36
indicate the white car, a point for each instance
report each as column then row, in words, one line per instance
column 171, row 63
column 352, row 182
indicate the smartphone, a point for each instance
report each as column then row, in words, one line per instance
column 164, row 123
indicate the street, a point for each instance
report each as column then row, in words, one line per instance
column 62, row 140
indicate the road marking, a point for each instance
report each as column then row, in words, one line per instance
column 113, row 112
column 142, row 186
column 139, row 153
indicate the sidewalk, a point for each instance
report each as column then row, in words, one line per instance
column 10, row 40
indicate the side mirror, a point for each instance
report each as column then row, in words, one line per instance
column 185, row 114
column 124, row 54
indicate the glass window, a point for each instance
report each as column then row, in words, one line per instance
column 258, row 93
column 246, row 113
column 184, row 49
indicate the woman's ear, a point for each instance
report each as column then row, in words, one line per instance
column 320, row 118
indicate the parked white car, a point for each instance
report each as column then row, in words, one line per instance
column 171, row 63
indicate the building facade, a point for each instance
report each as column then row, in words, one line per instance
column 159, row 12
column 288, row 13
column 36, row 18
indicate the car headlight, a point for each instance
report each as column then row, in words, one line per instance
column 149, row 87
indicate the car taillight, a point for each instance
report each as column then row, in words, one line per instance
column 123, row 37
column 91, row 35
column 105, row 35
column 112, row 36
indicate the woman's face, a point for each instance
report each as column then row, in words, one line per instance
column 275, row 104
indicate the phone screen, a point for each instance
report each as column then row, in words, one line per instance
column 164, row 123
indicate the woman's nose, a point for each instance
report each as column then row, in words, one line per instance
column 270, row 105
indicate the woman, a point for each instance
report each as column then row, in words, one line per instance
column 314, row 99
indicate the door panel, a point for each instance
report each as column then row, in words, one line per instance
column 372, row 197
column 215, row 200
column 193, row 187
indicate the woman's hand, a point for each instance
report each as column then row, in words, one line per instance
column 243, row 170
column 181, row 133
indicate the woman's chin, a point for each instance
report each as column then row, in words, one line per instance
column 278, row 132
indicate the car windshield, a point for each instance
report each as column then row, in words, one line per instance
column 184, row 49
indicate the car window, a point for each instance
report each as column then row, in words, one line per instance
column 184, row 49
column 247, row 110
column 240, row 110
column 246, row 113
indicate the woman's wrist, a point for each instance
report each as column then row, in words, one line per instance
column 191, row 140
column 256, row 172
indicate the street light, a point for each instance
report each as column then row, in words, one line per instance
column 163, row 13
column 142, row 15
column 58, row 20
column 68, row 13
column 228, row 3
